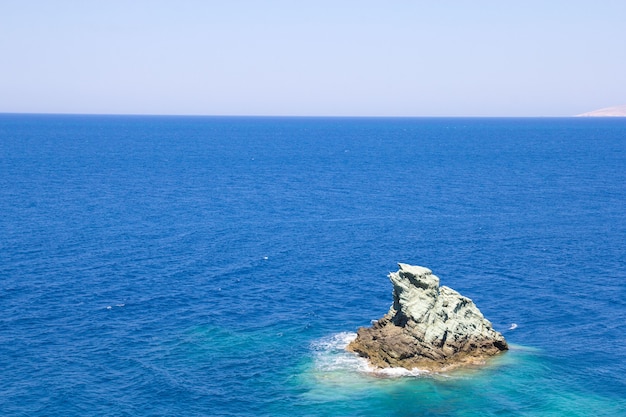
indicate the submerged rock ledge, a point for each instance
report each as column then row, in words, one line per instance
column 427, row 327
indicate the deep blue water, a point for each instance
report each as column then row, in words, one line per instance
column 214, row 266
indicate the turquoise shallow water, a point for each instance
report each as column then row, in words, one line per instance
column 518, row 383
column 217, row 266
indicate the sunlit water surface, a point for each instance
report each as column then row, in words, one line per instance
column 218, row 266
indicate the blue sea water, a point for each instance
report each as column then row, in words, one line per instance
column 216, row 266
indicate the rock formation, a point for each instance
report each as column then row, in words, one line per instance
column 427, row 327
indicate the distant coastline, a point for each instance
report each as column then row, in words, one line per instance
column 615, row 111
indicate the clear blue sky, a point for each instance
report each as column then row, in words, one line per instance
column 361, row 58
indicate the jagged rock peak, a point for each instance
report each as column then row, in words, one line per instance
column 428, row 327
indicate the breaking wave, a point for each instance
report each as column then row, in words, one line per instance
column 331, row 358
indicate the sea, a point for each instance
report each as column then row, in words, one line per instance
column 218, row 266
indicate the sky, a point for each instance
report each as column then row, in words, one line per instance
column 312, row 58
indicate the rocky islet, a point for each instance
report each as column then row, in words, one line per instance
column 428, row 326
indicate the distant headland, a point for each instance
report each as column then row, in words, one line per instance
column 615, row 111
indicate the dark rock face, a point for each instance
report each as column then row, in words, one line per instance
column 428, row 327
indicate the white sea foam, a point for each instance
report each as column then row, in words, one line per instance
column 335, row 342
column 331, row 355
column 332, row 358
column 400, row 372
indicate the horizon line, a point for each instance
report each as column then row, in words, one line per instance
column 292, row 116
